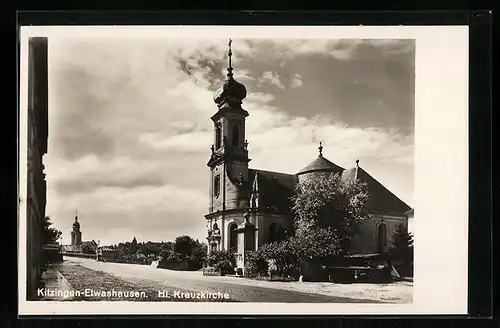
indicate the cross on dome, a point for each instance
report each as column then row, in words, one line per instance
column 229, row 54
column 320, row 148
column 231, row 92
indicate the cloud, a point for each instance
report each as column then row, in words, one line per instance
column 282, row 50
column 271, row 78
column 147, row 210
column 184, row 142
column 130, row 127
column 296, row 81
column 259, row 98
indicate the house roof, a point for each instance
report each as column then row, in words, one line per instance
column 320, row 164
column 381, row 199
column 71, row 248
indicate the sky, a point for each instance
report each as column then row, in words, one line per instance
column 130, row 129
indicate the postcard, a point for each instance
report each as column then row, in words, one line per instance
column 243, row 170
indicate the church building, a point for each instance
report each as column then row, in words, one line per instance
column 250, row 207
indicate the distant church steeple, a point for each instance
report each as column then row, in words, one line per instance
column 76, row 234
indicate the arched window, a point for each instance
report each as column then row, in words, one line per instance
column 218, row 136
column 381, row 237
column 236, row 136
column 217, row 185
column 233, row 237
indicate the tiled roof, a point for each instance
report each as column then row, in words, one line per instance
column 321, row 164
column 275, row 189
column 71, row 248
column 382, row 200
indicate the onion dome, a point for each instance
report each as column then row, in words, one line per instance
column 320, row 164
column 230, row 90
column 76, row 225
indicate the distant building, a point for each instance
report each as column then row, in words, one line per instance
column 76, row 234
column 77, row 245
column 249, row 207
column 107, row 254
column 37, row 147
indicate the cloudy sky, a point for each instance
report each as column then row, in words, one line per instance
column 130, row 129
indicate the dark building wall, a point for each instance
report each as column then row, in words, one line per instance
column 76, row 238
column 37, row 147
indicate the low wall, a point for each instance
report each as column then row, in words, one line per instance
column 80, row 255
column 179, row 265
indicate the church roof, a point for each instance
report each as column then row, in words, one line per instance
column 275, row 189
column 320, row 164
column 381, row 199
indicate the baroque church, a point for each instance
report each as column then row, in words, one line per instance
column 250, row 207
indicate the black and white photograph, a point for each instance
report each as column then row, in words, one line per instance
column 190, row 169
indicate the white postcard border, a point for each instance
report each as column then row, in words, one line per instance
column 441, row 170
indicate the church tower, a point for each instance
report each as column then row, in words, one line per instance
column 76, row 234
column 229, row 178
column 229, row 154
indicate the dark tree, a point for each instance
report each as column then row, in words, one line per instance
column 199, row 252
column 133, row 246
column 327, row 212
column 402, row 245
column 49, row 235
column 89, row 248
column 184, row 245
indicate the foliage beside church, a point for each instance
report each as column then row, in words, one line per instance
column 327, row 213
column 184, row 253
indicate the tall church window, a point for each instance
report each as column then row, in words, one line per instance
column 236, row 136
column 381, row 237
column 218, row 136
column 233, row 237
column 217, row 186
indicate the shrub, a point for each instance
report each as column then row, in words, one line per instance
column 283, row 256
column 222, row 260
column 255, row 264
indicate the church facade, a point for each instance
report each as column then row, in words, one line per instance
column 250, row 207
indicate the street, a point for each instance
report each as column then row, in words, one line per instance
column 153, row 280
